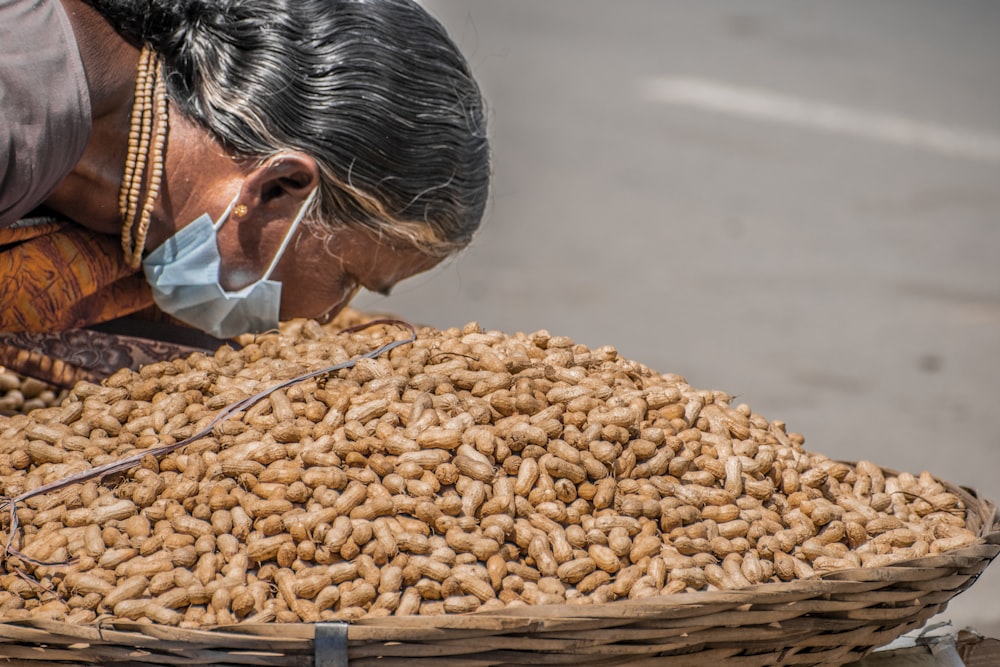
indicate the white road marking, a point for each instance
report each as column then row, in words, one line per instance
column 819, row 115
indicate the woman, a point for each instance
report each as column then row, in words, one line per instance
column 235, row 162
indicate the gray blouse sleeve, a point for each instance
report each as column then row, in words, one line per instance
column 45, row 113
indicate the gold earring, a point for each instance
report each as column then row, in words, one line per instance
column 240, row 210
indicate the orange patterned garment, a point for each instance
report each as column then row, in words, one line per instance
column 57, row 280
column 56, row 276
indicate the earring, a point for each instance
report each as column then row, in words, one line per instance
column 240, row 210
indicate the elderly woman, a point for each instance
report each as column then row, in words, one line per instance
column 224, row 164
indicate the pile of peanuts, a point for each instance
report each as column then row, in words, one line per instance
column 469, row 470
column 19, row 394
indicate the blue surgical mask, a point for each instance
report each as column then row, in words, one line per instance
column 183, row 273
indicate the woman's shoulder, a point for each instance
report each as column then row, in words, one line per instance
column 44, row 101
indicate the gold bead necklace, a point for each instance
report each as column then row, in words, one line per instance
column 150, row 91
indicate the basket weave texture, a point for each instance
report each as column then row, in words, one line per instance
column 832, row 620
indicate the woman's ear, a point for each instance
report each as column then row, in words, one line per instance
column 278, row 186
column 272, row 194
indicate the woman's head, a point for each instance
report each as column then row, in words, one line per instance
column 374, row 91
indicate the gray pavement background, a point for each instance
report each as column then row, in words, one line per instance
column 846, row 285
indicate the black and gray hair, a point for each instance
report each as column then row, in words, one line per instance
column 374, row 90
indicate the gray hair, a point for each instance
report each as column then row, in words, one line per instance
column 374, row 90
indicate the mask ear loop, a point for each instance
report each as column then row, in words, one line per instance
column 290, row 233
column 216, row 226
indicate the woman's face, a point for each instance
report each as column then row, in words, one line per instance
column 320, row 271
column 319, row 276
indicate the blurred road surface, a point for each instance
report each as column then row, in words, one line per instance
column 797, row 202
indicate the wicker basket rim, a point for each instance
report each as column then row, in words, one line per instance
column 981, row 516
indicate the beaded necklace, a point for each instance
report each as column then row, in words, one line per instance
column 150, row 92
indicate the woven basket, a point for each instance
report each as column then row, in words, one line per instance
column 831, row 620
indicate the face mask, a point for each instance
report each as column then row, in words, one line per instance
column 184, row 276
